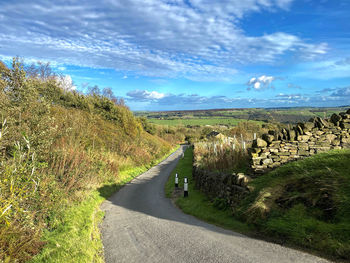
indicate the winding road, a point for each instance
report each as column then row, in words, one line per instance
column 142, row 225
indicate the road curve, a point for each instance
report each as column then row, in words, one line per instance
column 142, row 225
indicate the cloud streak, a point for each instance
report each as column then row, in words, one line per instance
column 195, row 39
column 155, row 100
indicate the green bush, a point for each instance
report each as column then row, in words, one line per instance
column 56, row 148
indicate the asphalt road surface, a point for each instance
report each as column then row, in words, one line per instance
column 142, row 225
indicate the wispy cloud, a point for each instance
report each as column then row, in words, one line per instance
column 342, row 62
column 342, row 92
column 195, row 39
column 144, row 95
column 175, row 99
column 154, row 99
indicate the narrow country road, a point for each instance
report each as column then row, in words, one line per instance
column 142, row 225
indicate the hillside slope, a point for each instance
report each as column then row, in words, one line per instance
column 57, row 146
column 306, row 203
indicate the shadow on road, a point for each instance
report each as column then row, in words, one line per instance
column 145, row 194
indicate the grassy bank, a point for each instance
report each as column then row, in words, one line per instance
column 197, row 204
column 303, row 204
column 57, row 146
column 77, row 239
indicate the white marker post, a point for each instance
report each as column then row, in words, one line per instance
column 185, row 187
column 254, row 136
column 176, row 181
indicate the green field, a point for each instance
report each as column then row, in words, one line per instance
column 233, row 116
column 199, row 121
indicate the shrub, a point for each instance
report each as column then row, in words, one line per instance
column 56, row 147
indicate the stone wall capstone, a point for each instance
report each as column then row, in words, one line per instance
column 305, row 139
column 275, row 149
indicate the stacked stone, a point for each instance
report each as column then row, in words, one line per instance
column 229, row 187
column 305, row 139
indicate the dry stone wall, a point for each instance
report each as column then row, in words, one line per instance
column 229, row 187
column 305, row 139
column 274, row 149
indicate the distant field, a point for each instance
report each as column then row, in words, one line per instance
column 199, row 121
column 233, row 116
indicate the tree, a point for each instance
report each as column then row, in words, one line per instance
column 40, row 70
column 94, row 90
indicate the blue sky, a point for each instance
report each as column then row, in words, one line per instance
column 190, row 54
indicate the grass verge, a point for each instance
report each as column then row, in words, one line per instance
column 304, row 204
column 78, row 239
column 197, row 204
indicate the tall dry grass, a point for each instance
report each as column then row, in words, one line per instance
column 222, row 155
column 53, row 155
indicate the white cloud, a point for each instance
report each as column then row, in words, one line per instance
column 154, row 100
column 66, row 82
column 261, row 82
column 125, row 77
column 144, row 95
column 196, row 39
column 257, row 85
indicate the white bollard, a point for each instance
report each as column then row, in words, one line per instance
column 176, row 181
column 185, row 187
column 254, row 136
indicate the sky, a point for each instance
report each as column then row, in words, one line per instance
column 189, row 54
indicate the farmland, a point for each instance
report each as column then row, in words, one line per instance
column 199, row 121
column 231, row 117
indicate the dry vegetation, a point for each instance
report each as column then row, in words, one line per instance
column 221, row 156
column 229, row 151
column 56, row 146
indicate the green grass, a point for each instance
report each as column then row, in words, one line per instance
column 78, row 239
column 197, row 204
column 303, row 204
column 199, row 121
column 308, row 203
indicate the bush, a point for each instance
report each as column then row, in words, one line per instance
column 56, row 147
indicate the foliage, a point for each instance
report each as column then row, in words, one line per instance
column 305, row 203
column 77, row 237
column 197, row 204
column 225, row 156
column 57, row 146
column 147, row 126
column 246, row 130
